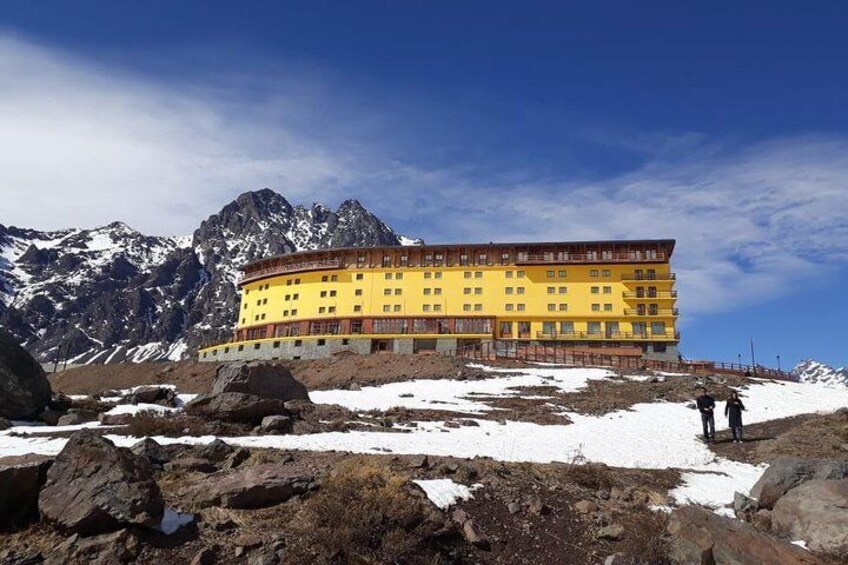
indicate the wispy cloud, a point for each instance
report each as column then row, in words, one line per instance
column 83, row 144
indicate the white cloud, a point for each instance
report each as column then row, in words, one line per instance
column 83, row 145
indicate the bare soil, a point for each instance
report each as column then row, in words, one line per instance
column 316, row 374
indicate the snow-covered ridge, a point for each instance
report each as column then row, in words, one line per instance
column 810, row 371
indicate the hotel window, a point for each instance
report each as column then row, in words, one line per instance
column 295, row 296
column 404, row 260
column 562, row 274
column 563, row 290
column 387, row 292
column 426, row 307
column 508, row 307
column 437, row 307
column 428, row 257
column 357, row 308
column 652, row 274
column 566, row 327
column 607, row 290
column 388, row 276
column 386, row 308
column 606, row 273
column 482, row 259
column 653, row 309
column 607, row 307
column 478, row 307
column 504, row 257
column 245, row 304
column 247, row 290
column 323, row 294
column 428, row 274
column 437, row 290
column 466, row 307
column 398, row 276
column 606, row 255
column 508, row 290
column 593, row 273
column 658, row 328
column 596, row 289
column 360, row 259
column 594, row 327
column 398, row 291
column 294, row 312
column 288, row 282
column 331, row 310
column 324, row 278
column 387, row 261
column 520, row 307
column 478, row 274
column 519, row 274
column 285, row 313
column 478, row 290
column 508, row 274
column 552, row 307
column 519, row 290
column 296, row 281
column 467, row 274
column 359, row 276
column 563, row 307
column 264, row 301
column 262, row 317
column 551, row 290
column 288, row 297
column 438, row 275
column 506, row 328
column 427, row 291
column 466, row 290
column 396, row 308
column 463, row 260
column 596, row 307
column 321, row 310
column 332, row 293
column 357, row 292
column 259, row 303
column 334, row 278
column 550, row 274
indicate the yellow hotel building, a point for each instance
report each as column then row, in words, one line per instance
column 617, row 295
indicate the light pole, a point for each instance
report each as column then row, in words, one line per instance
column 739, row 359
column 778, row 364
column 753, row 360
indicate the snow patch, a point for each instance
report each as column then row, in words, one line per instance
column 444, row 492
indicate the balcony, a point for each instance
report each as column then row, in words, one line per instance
column 647, row 312
column 612, row 336
column 649, row 277
column 319, row 265
column 663, row 295
column 554, row 259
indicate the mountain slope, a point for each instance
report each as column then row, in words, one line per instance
column 810, row 371
column 111, row 294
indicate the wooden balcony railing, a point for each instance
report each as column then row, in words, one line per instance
column 648, row 312
column 647, row 277
column 662, row 295
column 319, row 265
column 553, row 259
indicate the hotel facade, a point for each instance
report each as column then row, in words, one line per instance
column 607, row 295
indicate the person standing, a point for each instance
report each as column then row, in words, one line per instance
column 706, row 406
column 733, row 410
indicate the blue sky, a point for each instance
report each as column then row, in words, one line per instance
column 722, row 126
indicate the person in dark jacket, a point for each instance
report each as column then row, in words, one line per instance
column 706, row 405
column 733, row 410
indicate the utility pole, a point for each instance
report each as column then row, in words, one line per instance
column 778, row 364
column 739, row 360
column 753, row 361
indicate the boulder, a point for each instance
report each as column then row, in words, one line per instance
column 701, row 536
column 217, row 451
column 816, row 512
column 24, row 389
column 121, row 546
column 21, row 479
column 265, row 380
column 94, row 487
column 276, row 424
column 5, row 424
column 255, row 487
column 613, row 532
column 788, row 472
column 235, row 459
column 76, row 417
column 152, row 394
column 235, row 407
column 121, row 419
column 152, row 451
column 190, row 465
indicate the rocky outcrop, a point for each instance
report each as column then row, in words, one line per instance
column 256, row 487
column 21, row 479
column 24, row 389
column 816, row 512
column 786, row 473
column 95, row 487
column 699, row 536
column 234, row 407
column 266, row 380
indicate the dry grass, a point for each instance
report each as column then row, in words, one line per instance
column 645, row 538
column 146, row 424
column 364, row 513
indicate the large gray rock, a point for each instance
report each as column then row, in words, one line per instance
column 255, row 487
column 234, row 407
column 24, row 389
column 265, row 380
column 788, row 472
column 21, row 479
column 701, row 537
column 816, row 512
column 95, row 487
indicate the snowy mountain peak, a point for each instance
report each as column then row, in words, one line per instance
column 811, row 371
column 111, row 294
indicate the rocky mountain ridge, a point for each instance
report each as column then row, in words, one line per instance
column 112, row 294
column 811, row 371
